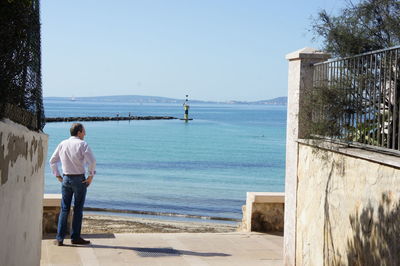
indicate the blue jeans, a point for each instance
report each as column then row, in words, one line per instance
column 71, row 186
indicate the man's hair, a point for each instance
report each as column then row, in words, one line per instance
column 75, row 128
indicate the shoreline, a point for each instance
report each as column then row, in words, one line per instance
column 160, row 215
column 94, row 223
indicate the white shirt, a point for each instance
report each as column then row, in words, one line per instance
column 74, row 154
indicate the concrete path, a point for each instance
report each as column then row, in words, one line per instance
column 173, row 249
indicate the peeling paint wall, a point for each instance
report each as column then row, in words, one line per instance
column 348, row 210
column 22, row 161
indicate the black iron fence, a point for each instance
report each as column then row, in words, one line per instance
column 20, row 63
column 357, row 99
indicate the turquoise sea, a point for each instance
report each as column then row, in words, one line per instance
column 198, row 169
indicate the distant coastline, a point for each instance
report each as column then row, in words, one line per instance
column 156, row 99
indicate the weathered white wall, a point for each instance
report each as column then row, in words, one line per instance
column 22, row 159
column 348, row 210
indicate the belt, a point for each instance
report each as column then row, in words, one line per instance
column 73, row 175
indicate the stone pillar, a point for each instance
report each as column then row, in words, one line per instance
column 300, row 79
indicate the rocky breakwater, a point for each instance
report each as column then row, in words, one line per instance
column 106, row 118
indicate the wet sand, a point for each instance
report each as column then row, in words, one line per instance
column 104, row 224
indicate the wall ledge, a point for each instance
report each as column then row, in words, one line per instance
column 369, row 154
column 52, row 200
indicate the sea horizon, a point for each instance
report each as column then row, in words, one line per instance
column 281, row 100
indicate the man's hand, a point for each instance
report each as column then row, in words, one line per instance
column 88, row 180
column 59, row 178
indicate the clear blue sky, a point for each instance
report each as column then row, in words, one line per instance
column 209, row 49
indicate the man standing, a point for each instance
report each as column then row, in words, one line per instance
column 73, row 153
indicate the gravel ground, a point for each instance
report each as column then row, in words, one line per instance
column 102, row 224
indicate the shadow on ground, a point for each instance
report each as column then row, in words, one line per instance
column 154, row 252
column 142, row 252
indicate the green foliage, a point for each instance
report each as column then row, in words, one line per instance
column 366, row 26
column 331, row 106
column 366, row 110
column 353, row 108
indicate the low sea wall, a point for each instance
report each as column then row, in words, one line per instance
column 52, row 203
column 263, row 212
column 348, row 206
column 51, row 212
column 22, row 162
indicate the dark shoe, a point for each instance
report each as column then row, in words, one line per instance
column 58, row 243
column 80, row 241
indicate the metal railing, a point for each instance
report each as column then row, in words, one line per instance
column 20, row 64
column 357, row 99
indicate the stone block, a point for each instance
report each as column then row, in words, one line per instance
column 267, row 217
column 51, row 212
column 263, row 212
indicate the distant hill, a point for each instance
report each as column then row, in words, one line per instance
column 275, row 101
column 279, row 100
column 156, row 99
column 120, row 98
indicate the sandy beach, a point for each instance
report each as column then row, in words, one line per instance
column 102, row 224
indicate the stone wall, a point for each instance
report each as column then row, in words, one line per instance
column 267, row 217
column 50, row 219
column 263, row 212
column 348, row 207
column 22, row 159
column 51, row 212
